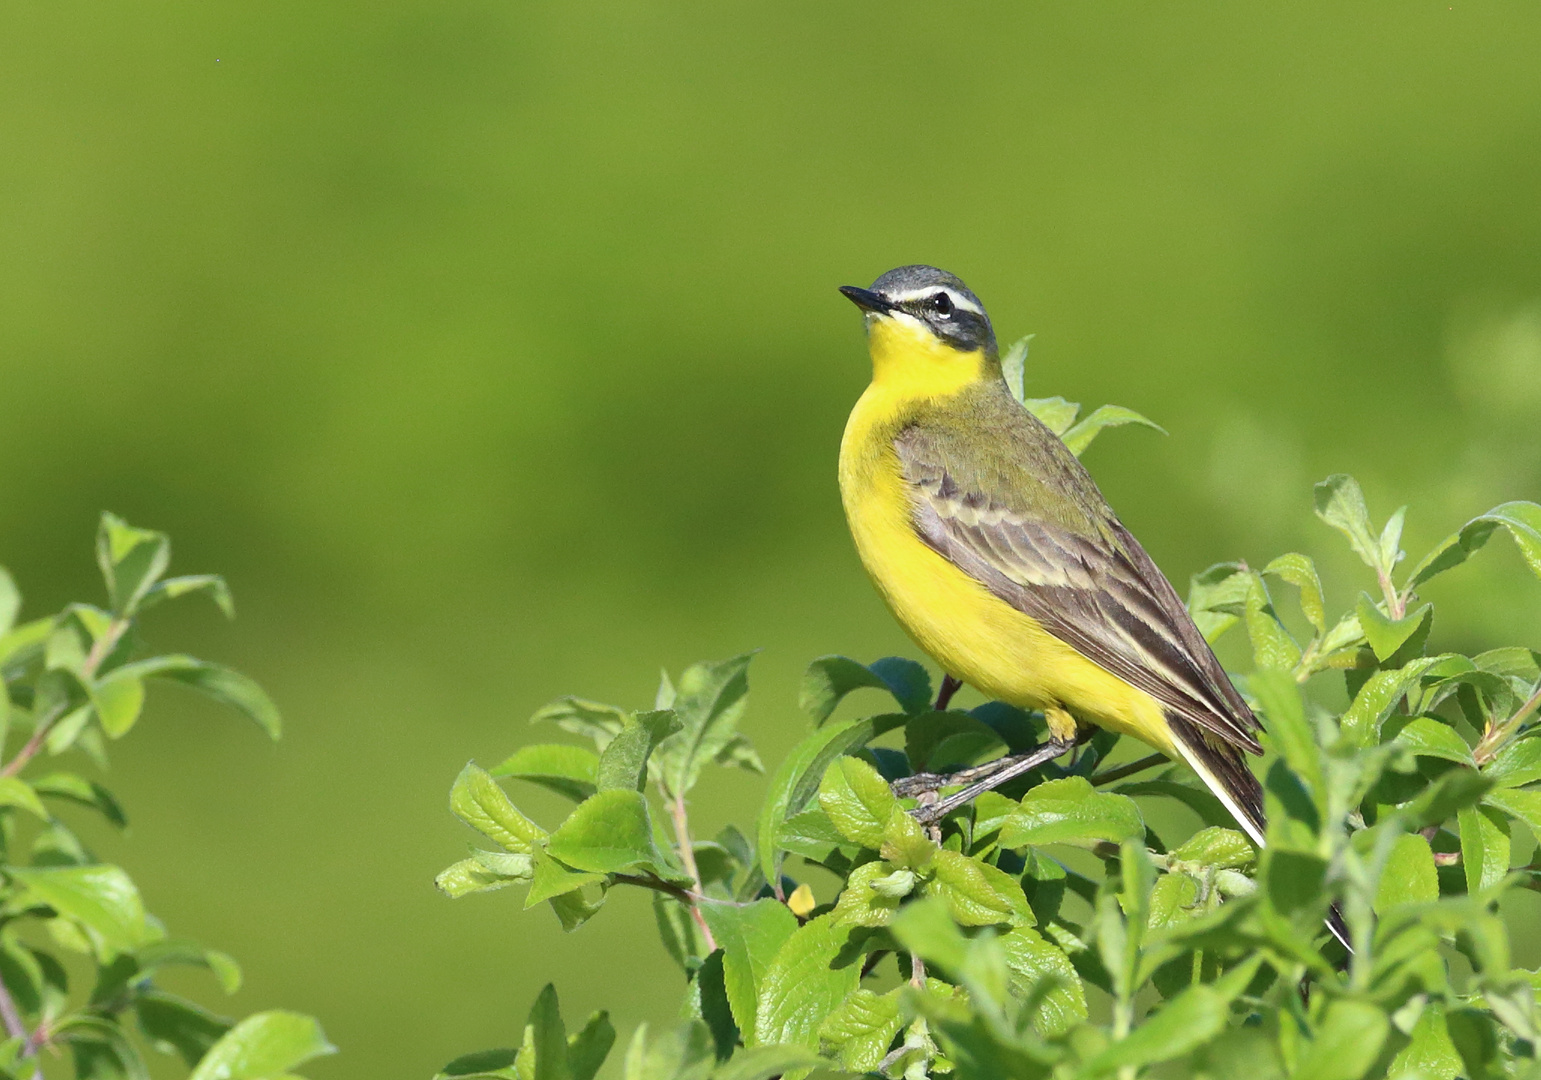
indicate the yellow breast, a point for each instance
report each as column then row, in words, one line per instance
column 975, row 636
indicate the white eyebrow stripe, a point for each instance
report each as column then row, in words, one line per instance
column 958, row 300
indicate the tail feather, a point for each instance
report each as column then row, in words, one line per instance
column 1223, row 768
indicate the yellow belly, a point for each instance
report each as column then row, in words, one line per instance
column 974, row 635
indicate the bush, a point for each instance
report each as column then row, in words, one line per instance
column 1047, row 930
column 75, row 682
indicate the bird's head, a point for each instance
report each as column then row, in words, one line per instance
column 924, row 326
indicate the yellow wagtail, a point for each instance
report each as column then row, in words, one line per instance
column 996, row 552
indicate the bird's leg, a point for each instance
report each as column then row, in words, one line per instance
column 949, row 687
column 1063, row 736
column 993, row 775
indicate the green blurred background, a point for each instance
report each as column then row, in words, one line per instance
column 492, row 351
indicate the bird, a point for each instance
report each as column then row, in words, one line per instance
column 997, row 553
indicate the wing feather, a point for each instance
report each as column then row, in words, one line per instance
column 1097, row 590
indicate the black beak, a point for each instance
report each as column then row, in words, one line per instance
column 867, row 300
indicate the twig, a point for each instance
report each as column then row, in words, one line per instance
column 872, row 961
column 685, row 896
column 18, row 1030
column 1149, row 761
column 949, row 687
column 100, row 650
column 1493, row 737
column 681, row 818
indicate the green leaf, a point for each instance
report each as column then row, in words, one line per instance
column 609, row 833
column 1430, row 1053
column 567, row 770
column 1340, row 503
column 802, row 985
column 1014, row 367
column 1387, row 636
column 905, row 842
column 707, row 998
column 587, row 1050
column 1428, row 737
column 1279, row 695
column 588, row 718
column 1517, row 763
column 1200, row 800
column 132, row 560
column 1484, row 848
column 1217, row 597
column 100, row 1047
column 970, row 895
column 1522, row 519
column 220, row 683
column 477, row 800
column 1475, row 1039
column 1079, row 437
column 1525, row 805
column 857, row 801
column 906, row 680
column 623, row 764
column 1171, row 900
column 10, row 603
column 545, row 1039
column 798, row 777
column 188, row 585
column 767, row 1063
column 859, row 1032
column 925, row 928
column 862, row 903
column 1272, row 645
column 1056, row 413
column 118, row 699
column 811, row 835
column 1346, row 1043
column 1041, row 973
column 19, row 793
column 177, row 1026
column 574, row 908
column 481, row 1065
column 683, row 1052
column 1409, row 876
column 709, row 700
column 1377, row 698
column 101, row 898
column 1184, row 1023
column 167, row 953
column 928, row 732
column 476, row 875
column 1071, row 811
column 827, row 682
column 1300, row 572
column 1293, row 878
column 682, row 938
column 1219, row 848
column 750, row 937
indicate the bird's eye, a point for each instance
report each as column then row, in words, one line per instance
column 943, row 305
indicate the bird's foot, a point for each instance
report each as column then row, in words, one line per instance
column 978, row 780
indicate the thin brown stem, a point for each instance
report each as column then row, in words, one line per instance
column 14, row 1027
column 100, row 650
column 1149, row 761
column 668, row 888
column 1396, row 603
column 949, row 687
column 917, row 972
column 1495, row 736
column 681, row 819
